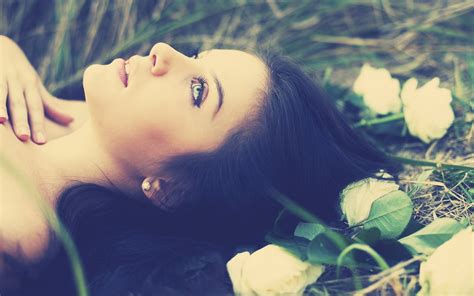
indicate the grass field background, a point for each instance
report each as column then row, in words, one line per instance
column 331, row 39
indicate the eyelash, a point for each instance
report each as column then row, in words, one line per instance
column 202, row 84
column 202, row 81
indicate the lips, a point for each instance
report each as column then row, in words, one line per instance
column 121, row 72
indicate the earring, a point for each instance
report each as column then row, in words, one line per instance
column 150, row 186
column 146, row 185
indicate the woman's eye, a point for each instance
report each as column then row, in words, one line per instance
column 197, row 91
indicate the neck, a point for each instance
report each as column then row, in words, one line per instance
column 79, row 158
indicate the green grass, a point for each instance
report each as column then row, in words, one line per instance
column 422, row 39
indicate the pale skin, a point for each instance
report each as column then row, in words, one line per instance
column 124, row 131
column 24, row 100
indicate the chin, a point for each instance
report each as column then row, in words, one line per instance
column 98, row 82
column 90, row 79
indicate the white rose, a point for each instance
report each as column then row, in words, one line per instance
column 379, row 90
column 427, row 110
column 449, row 270
column 271, row 270
column 357, row 198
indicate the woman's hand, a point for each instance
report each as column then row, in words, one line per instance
column 28, row 100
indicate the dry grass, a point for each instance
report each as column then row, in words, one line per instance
column 400, row 279
column 422, row 39
column 442, row 193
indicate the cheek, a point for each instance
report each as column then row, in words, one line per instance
column 158, row 109
column 145, row 124
column 151, row 138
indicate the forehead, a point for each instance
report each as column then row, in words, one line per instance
column 243, row 77
column 236, row 61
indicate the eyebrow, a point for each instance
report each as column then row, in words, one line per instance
column 220, row 92
column 220, row 89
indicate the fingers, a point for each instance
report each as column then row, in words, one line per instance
column 35, row 113
column 18, row 112
column 51, row 110
column 23, row 98
column 26, row 110
column 3, row 102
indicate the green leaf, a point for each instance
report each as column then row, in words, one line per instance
column 369, row 236
column 323, row 250
column 427, row 239
column 390, row 214
column 355, row 100
column 390, row 127
column 295, row 245
column 308, row 230
column 465, row 222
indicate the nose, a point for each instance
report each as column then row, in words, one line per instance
column 163, row 56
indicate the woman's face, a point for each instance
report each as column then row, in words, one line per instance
column 166, row 108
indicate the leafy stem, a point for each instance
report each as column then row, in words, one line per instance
column 390, row 118
column 362, row 247
column 436, row 164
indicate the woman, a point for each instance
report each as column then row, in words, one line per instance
column 170, row 172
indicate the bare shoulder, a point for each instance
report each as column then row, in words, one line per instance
column 23, row 226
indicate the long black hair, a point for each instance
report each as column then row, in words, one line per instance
column 296, row 142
